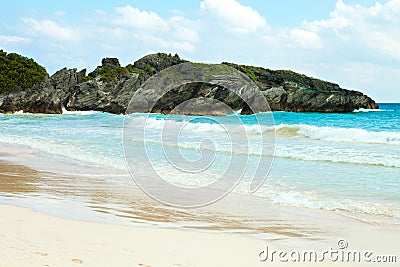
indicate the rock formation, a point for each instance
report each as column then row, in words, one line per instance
column 110, row 87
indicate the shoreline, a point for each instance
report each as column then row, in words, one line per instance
column 51, row 165
column 29, row 238
column 87, row 199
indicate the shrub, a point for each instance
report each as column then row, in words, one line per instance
column 18, row 72
column 109, row 74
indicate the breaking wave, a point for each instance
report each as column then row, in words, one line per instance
column 347, row 135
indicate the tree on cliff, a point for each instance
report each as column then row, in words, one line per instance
column 18, row 72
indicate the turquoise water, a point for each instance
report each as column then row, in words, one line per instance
column 342, row 162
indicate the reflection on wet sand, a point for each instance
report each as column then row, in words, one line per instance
column 17, row 179
column 117, row 196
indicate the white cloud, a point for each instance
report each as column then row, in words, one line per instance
column 51, row 29
column 129, row 16
column 12, row 39
column 121, row 29
column 375, row 28
column 184, row 29
column 129, row 25
column 235, row 16
column 163, row 43
column 337, row 20
column 305, row 39
column 176, row 33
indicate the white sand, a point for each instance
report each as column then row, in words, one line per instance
column 30, row 239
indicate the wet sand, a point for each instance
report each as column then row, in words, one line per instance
column 79, row 216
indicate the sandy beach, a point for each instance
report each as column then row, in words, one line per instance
column 65, row 220
column 32, row 239
column 209, row 133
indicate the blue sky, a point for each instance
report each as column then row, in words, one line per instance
column 351, row 42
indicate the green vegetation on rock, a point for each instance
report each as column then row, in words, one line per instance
column 284, row 90
column 109, row 74
column 18, row 72
column 250, row 71
column 87, row 78
column 266, row 79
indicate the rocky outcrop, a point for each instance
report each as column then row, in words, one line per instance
column 308, row 100
column 110, row 97
column 111, row 63
column 114, row 96
column 290, row 91
column 110, row 87
column 47, row 97
column 40, row 99
column 158, row 62
column 64, row 82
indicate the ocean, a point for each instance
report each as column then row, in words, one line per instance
column 347, row 163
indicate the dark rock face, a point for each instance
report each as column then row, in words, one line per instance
column 114, row 96
column 110, row 62
column 42, row 99
column 63, row 82
column 290, row 91
column 158, row 61
column 110, row 97
column 191, row 99
column 48, row 97
column 284, row 90
column 307, row 100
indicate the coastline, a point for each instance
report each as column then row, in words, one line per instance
column 200, row 134
column 284, row 90
column 33, row 239
column 211, row 236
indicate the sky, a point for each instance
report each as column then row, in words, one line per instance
column 355, row 43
